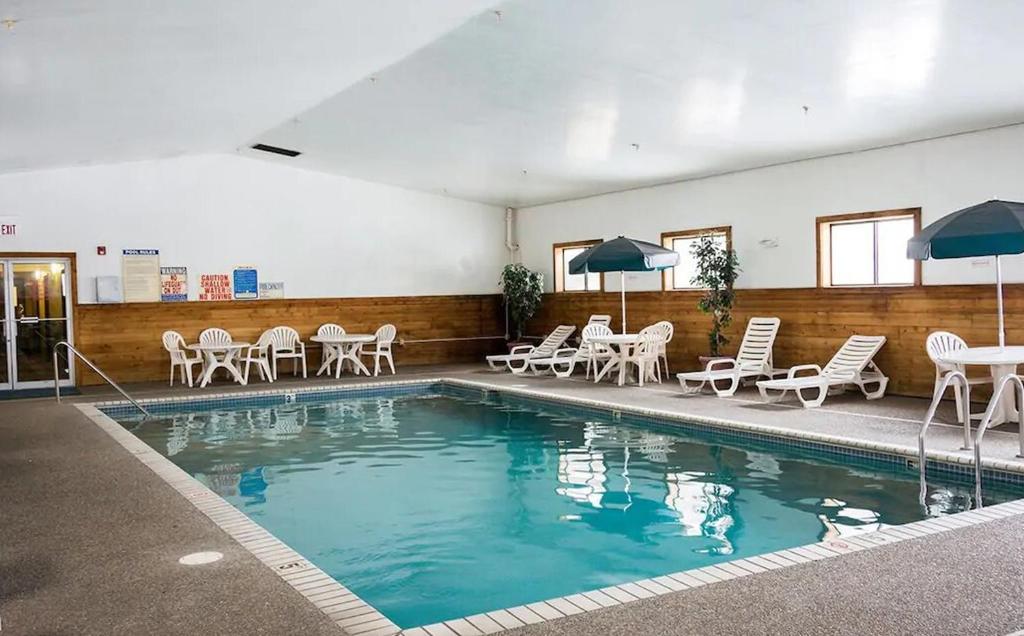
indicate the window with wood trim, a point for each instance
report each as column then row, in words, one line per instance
column 868, row 249
column 680, row 276
column 566, row 282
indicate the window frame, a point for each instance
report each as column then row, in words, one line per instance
column 668, row 275
column 823, row 229
column 558, row 275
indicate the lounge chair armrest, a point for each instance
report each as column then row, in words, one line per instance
column 521, row 349
column 720, row 362
column 803, row 367
column 566, row 351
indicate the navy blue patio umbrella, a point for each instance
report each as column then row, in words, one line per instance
column 992, row 228
column 623, row 255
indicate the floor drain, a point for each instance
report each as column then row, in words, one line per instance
column 200, row 558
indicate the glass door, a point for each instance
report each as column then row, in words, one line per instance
column 5, row 333
column 37, row 316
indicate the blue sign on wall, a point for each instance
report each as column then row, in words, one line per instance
column 246, row 283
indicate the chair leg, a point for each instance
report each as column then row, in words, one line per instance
column 172, row 376
column 304, row 370
column 188, row 374
column 273, row 366
column 391, row 363
column 376, row 364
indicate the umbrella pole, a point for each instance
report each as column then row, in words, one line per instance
column 999, row 302
column 622, row 286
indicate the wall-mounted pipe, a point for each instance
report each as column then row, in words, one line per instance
column 510, row 245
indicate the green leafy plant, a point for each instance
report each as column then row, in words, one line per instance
column 717, row 270
column 522, row 289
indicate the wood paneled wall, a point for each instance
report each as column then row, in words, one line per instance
column 124, row 339
column 815, row 322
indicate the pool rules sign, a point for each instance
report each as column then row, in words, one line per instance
column 140, row 276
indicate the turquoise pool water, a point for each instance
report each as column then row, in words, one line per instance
column 444, row 503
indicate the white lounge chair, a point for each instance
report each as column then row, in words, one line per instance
column 563, row 362
column 852, row 364
column 175, row 346
column 285, row 344
column 518, row 359
column 939, row 343
column 753, row 360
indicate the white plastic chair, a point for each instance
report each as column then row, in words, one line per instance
column 646, row 353
column 600, row 319
column 382, row 348
column 328, row 329
column 285, row 344
column 175, row 346
column 259, row 354
column 667, row 331
column 852, row 364
column 942, row 342
column 214, row 336
column 753, row 360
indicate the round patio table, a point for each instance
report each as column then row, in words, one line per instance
column 619, row 346
column 1001, row 361
column 220, row 356
column 341, row 348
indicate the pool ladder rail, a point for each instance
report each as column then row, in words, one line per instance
column 72, row 351
column 986, row 419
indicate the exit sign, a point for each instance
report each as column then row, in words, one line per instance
column 9, row 225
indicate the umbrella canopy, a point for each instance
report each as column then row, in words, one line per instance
column 624, row 255
column 992, row 228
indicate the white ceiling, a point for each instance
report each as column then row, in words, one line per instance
column 563, row 89
column 93, row 81
column 464, row 102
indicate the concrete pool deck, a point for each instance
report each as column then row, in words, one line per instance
column 92, row 531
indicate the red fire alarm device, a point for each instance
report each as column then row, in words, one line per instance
column 101, row 250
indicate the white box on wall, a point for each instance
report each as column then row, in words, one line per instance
column 108, row 289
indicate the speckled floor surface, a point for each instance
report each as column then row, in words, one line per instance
column 91, row 537
column 90, row 540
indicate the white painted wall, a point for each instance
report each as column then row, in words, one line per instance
column 323, row 235
column 781, row 202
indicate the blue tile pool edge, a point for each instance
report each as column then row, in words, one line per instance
column 354, row 616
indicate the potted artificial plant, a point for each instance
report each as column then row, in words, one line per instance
column 716, row 270
column 522, row 289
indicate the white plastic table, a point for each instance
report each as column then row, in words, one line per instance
column 341, row 348
column 1001, row 363
column 220, row 356
column 619, row 345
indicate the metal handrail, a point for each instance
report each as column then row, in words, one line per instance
column 960, row 377
column 987, row 419
column 56, row 374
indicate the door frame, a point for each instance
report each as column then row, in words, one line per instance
column 71, row 258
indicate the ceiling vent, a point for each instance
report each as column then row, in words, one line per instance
column 277, row 151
